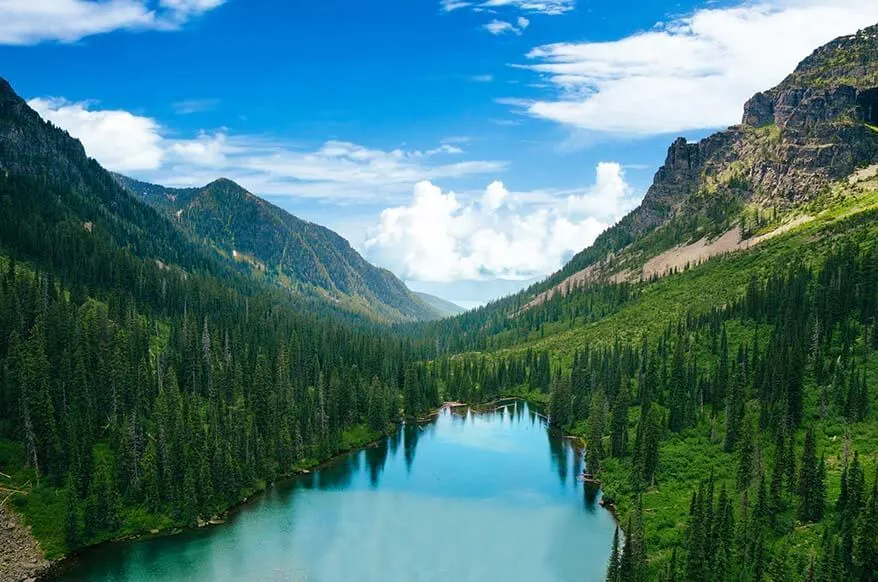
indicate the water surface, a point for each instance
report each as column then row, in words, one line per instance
column 468, row 497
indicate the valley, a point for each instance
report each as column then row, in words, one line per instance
column 169, row 354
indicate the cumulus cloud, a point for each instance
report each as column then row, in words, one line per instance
column 118, row 139
column 694, row 72
column 24, row 22
column 337, row 170
column 442, row 237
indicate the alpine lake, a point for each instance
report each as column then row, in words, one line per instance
column 469, row 496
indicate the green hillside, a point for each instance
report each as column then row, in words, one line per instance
column 717, row 350
column 445, row 308
column 271, row 244
column 146, row 382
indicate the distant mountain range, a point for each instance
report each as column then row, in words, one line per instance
column 276, row 246
column 220, row 224
column 445, row 308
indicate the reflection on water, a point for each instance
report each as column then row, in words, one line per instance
column 468, row 497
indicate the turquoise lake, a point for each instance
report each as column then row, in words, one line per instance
column 467, row 497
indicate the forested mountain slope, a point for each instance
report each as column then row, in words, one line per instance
column 145, row 382
column 730, row 407
column 274, row 245
column 446, row 308
column 803, row 148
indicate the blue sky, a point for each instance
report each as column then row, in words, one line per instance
column 470, row 147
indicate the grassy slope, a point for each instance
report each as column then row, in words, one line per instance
column 688, row 458
column 691, row 456
column 716, row 282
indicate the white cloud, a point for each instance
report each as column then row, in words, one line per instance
column 502, row 27
column 439, row 237
column 452, row 5
column 24, row 22
column 550, row 7
column 338, row 170
column 694, row 72
column 189, row 106
column 516, row 25
column 118, row 139
column 499, row 27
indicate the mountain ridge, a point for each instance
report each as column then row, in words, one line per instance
column 291, row 252
column 90, row 197
column 817, row 127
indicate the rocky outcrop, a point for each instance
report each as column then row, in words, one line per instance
column 794, row 140
column 20, row 555
column 816, row 128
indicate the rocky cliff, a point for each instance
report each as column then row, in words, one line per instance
column 817, row 127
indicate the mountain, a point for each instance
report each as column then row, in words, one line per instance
column 147, row 382
column 275, row 245
column 445, row 308
column 740, row 187
column 717, row 349
column 805, row 151
column 69, row 194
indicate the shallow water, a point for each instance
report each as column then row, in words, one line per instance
column 487, row 496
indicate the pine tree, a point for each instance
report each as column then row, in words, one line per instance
column 561, row 405
column 810, row 482
column 594, row 445
column 613, row 567
column 723, row 536
column 745, row 458
column 865, row 551
column 619, row 423
column 820, row 490
column 734, row 409
column 72, row 527
column 679, row 386
column 777, row 477
column 695, row 536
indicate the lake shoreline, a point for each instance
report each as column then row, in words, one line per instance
column 57, row 566
column 53, row 568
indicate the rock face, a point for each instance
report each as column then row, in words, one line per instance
column 819, row 126
column 794, row 140
column 20, row 555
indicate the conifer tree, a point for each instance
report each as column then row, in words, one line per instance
column 594, row 445
column 619, row 423
column 734, row 409
column 613, row 567
column 72, row 527
column 811, row 486
column 865, row 550
column 745, row 458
